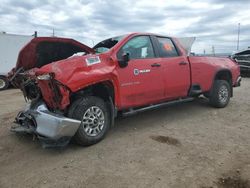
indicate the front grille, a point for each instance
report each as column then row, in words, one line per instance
column 30, row 90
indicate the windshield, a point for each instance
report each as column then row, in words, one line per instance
column 107, row 44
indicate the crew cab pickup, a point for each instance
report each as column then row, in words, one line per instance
column 78, row 96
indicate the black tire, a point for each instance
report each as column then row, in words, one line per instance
column 220, row 95
column 80, row 110
column 4, row 83
column 206, row 94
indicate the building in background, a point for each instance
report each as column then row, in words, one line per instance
column 10, row 45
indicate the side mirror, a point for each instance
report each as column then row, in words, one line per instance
column 124, row 61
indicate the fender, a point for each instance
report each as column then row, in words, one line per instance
column 110, row 82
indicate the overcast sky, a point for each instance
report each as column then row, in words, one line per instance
column 213, row 22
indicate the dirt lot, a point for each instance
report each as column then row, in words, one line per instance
column 187, row 145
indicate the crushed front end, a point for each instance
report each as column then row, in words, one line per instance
column 44, row 115
column 48, row 99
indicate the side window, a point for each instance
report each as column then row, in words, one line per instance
column 167, row 48
column 139, row 47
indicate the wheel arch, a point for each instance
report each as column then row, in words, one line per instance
column 223, row 74
column 104, row 90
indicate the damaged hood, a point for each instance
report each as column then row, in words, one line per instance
column 41, row 51
column 87, row 68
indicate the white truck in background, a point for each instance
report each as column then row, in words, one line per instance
column 10, row 45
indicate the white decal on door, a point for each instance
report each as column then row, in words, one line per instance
column 137, row 71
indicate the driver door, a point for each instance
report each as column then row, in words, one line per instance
column 142, row 81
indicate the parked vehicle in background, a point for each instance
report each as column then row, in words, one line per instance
column 80, row 96
column 243, row 59
column 10, row 45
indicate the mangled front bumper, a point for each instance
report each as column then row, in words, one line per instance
column 51, row 128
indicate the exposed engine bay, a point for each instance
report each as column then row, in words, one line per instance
column 38, row 53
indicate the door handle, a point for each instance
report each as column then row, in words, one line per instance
column 183, row 63
column 156, row 65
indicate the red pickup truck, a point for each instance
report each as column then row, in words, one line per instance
column 79, row 96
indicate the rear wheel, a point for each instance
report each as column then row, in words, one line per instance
column 4, row 83
column 95, row 119
column 220, row 94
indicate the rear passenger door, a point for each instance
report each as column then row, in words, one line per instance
column 175, row 67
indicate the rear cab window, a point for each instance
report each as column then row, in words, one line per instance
column 167, row 47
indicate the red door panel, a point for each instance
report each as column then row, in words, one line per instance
column 141, row 83
column 175, row 67
column 177, row 76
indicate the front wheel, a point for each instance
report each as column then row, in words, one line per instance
column 220, row 94
column 95, row 119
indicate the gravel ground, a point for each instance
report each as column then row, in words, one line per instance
column 186, row 145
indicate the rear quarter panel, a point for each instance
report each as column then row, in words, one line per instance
column 204, row 70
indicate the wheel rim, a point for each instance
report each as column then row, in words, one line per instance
column 2, row 84
column 223, row 94
column 93, row 121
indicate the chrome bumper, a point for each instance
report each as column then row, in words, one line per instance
column 238, row 81
column 40, row 121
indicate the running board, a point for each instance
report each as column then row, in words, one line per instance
column 135, row 111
